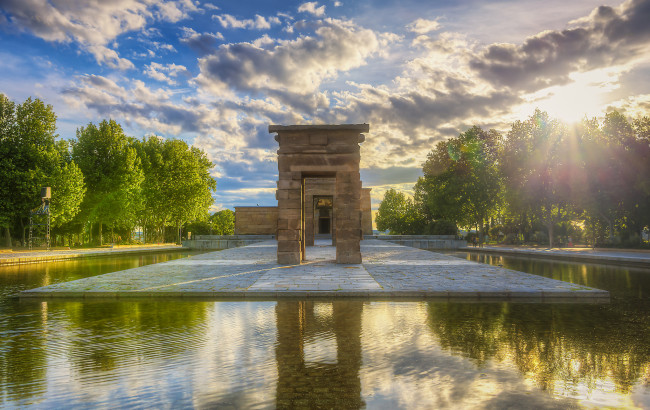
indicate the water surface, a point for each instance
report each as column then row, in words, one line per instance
column 325, row 354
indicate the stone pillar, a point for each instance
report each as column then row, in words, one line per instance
column 366, row 211
column 302, row 218
column 347, row 207
column 333, row 225
column 289, row 196
column 311, row 217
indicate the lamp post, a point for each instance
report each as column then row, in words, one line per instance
column 44, row 209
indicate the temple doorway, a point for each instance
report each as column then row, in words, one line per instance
column 323, row 216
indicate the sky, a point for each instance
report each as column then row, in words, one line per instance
column 217, row 73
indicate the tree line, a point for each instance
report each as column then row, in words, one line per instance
column 543, row 181
column 105, row 185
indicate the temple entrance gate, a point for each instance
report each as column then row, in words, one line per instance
column 319, row 151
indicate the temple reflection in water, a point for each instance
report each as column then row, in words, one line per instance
column 326, row 382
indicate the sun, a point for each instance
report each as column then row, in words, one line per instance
column 584, row 96
column 573, row 102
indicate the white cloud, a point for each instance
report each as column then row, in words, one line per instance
column 455, row 83
column 441, row 84
column 104, row 55
column 285, row 15
column 203, row 43
column 174, row 11
column 423, row 26
column 230, row 125
column 157, row 72
column 292, row 70
column 337, row 4
column 259, row 23
column 190, row 33
column 137, row 105
column 263, row 42
column 163, row 46
column 92, row 25
column 151, row 32
column 633, row 106
column 607, row 37
column 312, row 8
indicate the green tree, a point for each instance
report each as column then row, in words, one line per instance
column 113, row 174
column 30, row 159
column 7, row 171
column 436, row 192
column 629, row 152
column 190, row 184
column 642, row 183
column 152, row 214
column 68, row 189
column 602, row 191
column 178, row 186
column 538, row 170
column 461, row 180
column 614, row 186
column 398, row 214
column 223, row 222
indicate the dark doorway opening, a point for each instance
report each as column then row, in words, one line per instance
column 323, row 212
column 324, row 222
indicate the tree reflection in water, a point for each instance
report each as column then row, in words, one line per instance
column 23, row 357
column 620, row 281
column 557, row 346
column 131, row 332
column 96, row 337
column 28, row 329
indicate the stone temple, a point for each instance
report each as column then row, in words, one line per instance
column 319, row 193
column 319, row 189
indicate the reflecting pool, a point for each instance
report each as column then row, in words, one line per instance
column 325, row 354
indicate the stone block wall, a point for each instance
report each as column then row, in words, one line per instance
column 256, row 220
column 422, row 241
column 209, row 242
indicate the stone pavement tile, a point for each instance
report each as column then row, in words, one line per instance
column 318, row 273
column 400, row 268
column 210, row 271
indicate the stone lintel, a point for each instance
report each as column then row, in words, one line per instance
column 322, row 127
column 327, row 171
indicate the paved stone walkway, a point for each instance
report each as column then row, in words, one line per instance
column 388, row 271
column 320, row 273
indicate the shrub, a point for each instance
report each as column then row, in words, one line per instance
column 441, row 227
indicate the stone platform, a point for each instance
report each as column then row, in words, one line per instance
column 388, row 271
